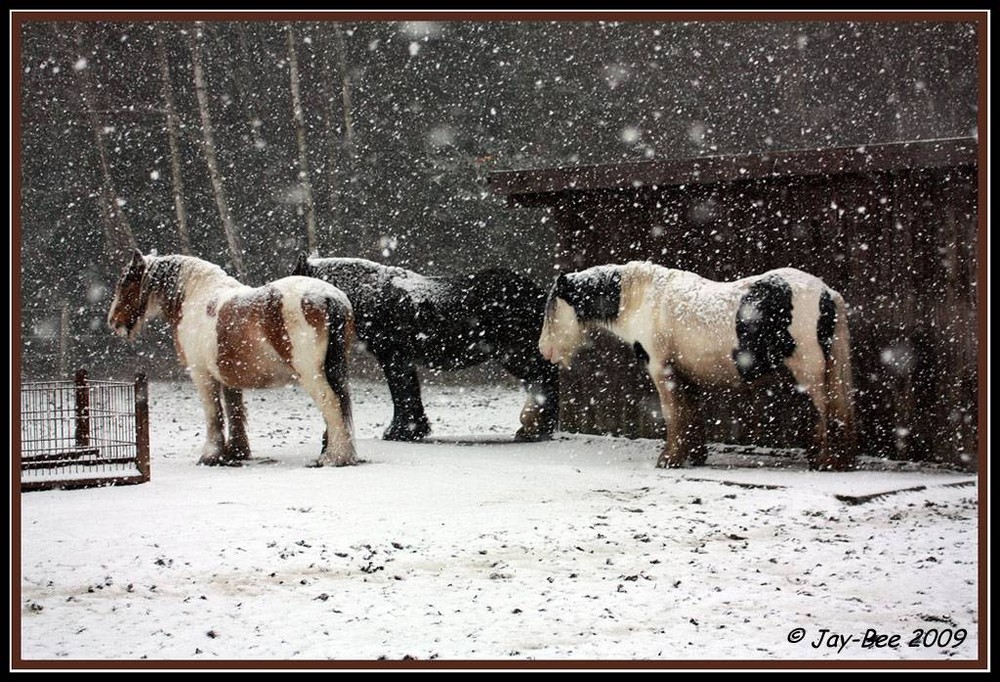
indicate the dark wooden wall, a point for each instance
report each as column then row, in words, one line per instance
column 900, row 245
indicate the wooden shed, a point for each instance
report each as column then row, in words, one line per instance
column 893, row 227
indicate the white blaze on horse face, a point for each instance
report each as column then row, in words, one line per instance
column 561, row 335
column 124, row 316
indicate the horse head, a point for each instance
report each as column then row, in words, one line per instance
column 562, row 332
column 128, row 307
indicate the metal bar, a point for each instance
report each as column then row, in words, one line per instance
column 89, row 452
column 29, row 486
column 142, row 425
column 82, row 408
column 60, row 463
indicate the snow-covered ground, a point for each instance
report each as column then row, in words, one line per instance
column 473, row 547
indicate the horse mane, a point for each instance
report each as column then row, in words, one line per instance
column 600, row 293
column 168, row 277
column 594, row 293
column 636, row 278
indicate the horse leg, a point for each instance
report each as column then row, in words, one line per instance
column 828, row 451
column 409, row 422
column 818, row 452
column 679, row 413
column 809, row 379
column 327, row 386
column 237, row 448
column 841, row 435
column 694, row 433
column 540, row 414
column 213, row 452
column 338, row 441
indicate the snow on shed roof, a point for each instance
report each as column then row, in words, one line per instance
column 869, row 158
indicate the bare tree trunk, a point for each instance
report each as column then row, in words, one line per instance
column 300, row 136
column 63, row 338
column 345, row 86
column 208, row 143
column 173, row 124
column 119, row 239
column 333, row 153
column 240, row 78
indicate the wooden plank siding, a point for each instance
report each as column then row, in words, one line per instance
column 892, row 227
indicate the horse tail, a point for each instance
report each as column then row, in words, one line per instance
column 340, row 328
column 838, row 380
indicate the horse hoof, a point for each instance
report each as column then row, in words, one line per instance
column 523, row 436
column 409, row 432
column 220, row 462
column 402, row 436
column 698, row 460
column 668, row 463
column 323, row 462
column 235, row 452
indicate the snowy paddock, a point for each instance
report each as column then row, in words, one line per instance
column 473, row 547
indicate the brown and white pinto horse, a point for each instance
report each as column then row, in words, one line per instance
column 690, row 331
column 232, row 337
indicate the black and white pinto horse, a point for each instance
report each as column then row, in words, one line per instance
column 690, row 331
column 232, row 337
column 446, row 323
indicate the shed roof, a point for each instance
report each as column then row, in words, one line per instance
column 869, row 158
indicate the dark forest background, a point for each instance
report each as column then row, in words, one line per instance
column 247, row 142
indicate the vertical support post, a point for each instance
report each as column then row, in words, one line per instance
column 142, row 425
column 82, row 408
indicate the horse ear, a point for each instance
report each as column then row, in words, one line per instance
column 562, row 284
column 301, row 264
column 138, row 262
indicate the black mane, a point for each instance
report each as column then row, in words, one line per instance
column 595, row 294
column 163, row 279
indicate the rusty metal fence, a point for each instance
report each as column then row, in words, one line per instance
column 84, row 433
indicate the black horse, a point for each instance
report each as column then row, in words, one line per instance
column 446, row 323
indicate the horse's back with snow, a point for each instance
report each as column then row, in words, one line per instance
column 690, row 331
